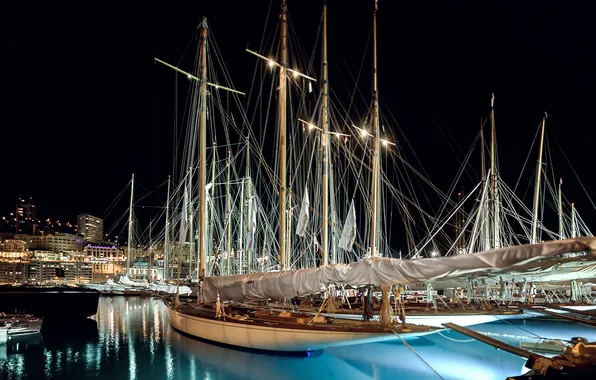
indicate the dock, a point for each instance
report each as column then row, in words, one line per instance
column 493, row 342
column 541, row 367
column 588, row 313
column 543, row 310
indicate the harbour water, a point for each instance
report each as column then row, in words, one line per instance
column 130, row 338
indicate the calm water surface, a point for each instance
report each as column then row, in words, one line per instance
column 131, row 339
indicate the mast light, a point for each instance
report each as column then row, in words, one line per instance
column 192, row 77
column 272, row 63
column 312, row 126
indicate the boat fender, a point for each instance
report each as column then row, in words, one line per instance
column 578, row 339
column 218, row 309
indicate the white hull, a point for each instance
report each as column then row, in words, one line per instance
column 139, row 288
column 19, row 330
column 21, row 325
column 274, row 338
column 582, row 308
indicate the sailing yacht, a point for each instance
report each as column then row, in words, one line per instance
column 221, row 316
column 258, row 328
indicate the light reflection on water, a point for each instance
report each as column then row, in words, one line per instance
column 132, row 340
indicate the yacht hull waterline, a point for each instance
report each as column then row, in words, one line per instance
column 262, row 337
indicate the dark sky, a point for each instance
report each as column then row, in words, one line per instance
column 84, row 106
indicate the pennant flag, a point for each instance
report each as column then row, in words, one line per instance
column 303, row 218
column 184, row 221
column 348, row 235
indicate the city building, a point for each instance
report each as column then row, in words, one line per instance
column 13, row 271
column 26, row 210
column 59, row 242
column 90, row 227
column 141, row 270
column 107, row 252
column 13, row 245
column 60, row 271
column 103, row 269
column 26, row 216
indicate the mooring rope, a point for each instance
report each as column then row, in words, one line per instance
column 456, row 340
column 529, row 332
column 415, row 353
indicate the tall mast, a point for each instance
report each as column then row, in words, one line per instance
column 572, row 220
column 191, row 223
column 282, row 135
column 240, row 234
column 211, row 191
column 333, row 238
column 150, row 245
column 462, row 223
column 203, row 150
column 375, row 156
column 482, row 168
column 485, row 210
column 561, row 233
column 202, row 79
column 289, row 215
column 166, row 245
column 129, row 243
column 458, row 243
column 249, row 214
column 229, row 213
column 537, row 186
column 493, row 172
column 324, row 140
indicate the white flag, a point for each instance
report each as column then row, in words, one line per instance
column 252, row 223
column 303, row 218
column 207, row 188
column 184, row 221
column 348, row 235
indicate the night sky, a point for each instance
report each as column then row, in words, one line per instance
column 84, row 106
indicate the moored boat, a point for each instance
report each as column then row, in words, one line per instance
column 281, row 331
column 260, row 328
column 13, row 324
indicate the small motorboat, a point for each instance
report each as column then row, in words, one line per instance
column 12, row 324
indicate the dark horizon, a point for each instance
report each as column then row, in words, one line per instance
column 85, row 105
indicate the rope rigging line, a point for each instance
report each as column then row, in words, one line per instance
column 417, row 354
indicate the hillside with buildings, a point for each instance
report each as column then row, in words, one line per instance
column 36, row 250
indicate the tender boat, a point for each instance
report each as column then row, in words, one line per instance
column 13, row 324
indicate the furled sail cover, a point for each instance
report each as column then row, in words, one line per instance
column 544, row 272
column 388, row 271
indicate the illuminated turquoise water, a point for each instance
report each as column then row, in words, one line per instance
column 132, row 340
